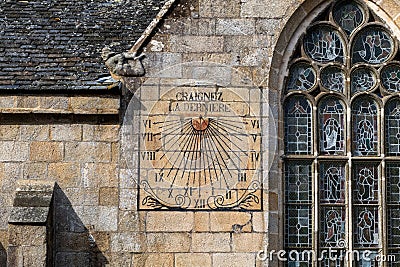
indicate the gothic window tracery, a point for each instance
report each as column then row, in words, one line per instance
column 342, row 137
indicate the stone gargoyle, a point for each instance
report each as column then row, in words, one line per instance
column 126, row 64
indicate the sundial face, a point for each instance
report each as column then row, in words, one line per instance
column 192, row 138
column 199, row 148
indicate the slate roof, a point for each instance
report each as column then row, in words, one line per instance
column 56, row 44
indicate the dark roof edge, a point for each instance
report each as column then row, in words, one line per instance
column 152, row 26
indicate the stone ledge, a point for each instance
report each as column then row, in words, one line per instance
column 60, row 104
column 32, row 202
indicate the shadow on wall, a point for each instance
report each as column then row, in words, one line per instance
column 3, row 256
column 73, row 243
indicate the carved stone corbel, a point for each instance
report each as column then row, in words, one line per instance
column 126, row 64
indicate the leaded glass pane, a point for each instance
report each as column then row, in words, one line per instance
column 392, row 120
column 302, row 76
column 298, row 226
column 393, row 183
column 365, row 128
column 332, row 183
column 324, row 44
column 390, row 77
column 336, row 260
column 366, row 226
column 298, row 182
column 394, row 260
column 394, row 227
column 299, row 258
column 348, row 15
column 331, row 127
column 365, row 184
column 362, row 79
column 298, row 126
column 372, row 45
column 333, row 78
column 366, row 258
column 332, row 231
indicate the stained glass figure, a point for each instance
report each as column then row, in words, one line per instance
column 332, row 226
column 324, row 44
column 365, row 132
column 332, row 183
column 392, row 125
column 366, row 227
column 362, row 79
column 348, row 15
column 372, row 45
column 298, row 226
column 331, row 128
column 302, row 77
column 298, row 130
column 393, row 183
column 365, row 186
column 333, row 78
column 298, row 182
column 390, row 77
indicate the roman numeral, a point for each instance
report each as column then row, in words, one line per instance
column 242, row 177
column 147, row 136
column 255, row 156
column 200, row 203
column 147, row 123
column 255, row 124
column 148, row 155
column 159, row 177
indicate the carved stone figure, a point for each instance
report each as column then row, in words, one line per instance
column 123, row 64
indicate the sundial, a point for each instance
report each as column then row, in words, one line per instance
column 197, row 147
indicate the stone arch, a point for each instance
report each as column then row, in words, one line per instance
column 387, row 10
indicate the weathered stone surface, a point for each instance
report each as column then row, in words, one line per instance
column 67, row 174
column 211, row 242
column 265, row 8
column 9, row 132
column 108, row 196
column 35, row 132
column 14, row 151
column 154, row 259
column 192, row 260
column 93, row 152
column 248, row 242
column 169, row 222
column 230, row 221
column 224, row 9
column 235, row 27
column 191, row 44
column 168, row 242
column 27, row 235
column 46, row 151
column 66, row 132
column 233, row 259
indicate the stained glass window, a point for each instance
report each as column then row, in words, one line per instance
column 342, row 138
column 390, row 76
column 302, row 77
column 324, row 44
column 298, row 225
column 331, row 126
column 362, row 79
column 298, row 126
column 332, row 183
column 392, row 120
column 365, row 127
column 333, row 78
column 372, row 45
